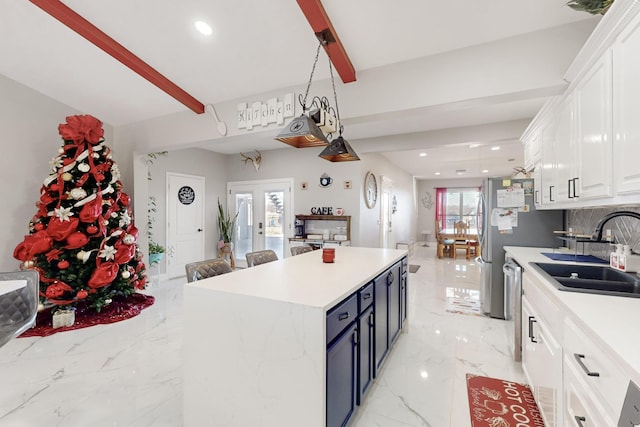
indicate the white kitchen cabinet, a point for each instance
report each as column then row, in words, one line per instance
column 532, row 151
column 626, row 109
column 594, row 139
column 548, row 165
column 601, row 378
column 564, row 152
column 581, row 407
column 542, row 350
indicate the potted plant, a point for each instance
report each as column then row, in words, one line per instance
column 156, row 250
column 227, row 228
column 593, row 7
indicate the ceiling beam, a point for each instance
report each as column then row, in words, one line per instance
column 320, row 23
column 86, row 29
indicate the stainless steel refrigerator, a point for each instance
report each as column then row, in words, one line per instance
column 528, row 227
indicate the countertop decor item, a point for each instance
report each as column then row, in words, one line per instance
column 226, row 227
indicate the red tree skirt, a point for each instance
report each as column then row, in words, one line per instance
column 119, row 309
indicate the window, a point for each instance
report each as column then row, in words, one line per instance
column 457, row 204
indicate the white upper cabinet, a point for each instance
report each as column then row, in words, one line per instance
column 594, row 131
column 532, row 151
column 565, row 152
column 626, row 109
column 590, row 135
column 548, row 190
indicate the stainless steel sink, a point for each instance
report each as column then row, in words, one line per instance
column 601, row 280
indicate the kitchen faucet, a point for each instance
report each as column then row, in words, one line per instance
column 597, row 234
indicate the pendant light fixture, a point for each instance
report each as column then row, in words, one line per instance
column 338, row 149
column 303, row 132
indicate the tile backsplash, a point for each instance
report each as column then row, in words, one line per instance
column 626, row 230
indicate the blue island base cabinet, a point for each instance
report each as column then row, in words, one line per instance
column 289, row 343
column 363, row 341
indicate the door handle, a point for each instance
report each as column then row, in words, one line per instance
column 199, row 229
column 586, row 370
column 532, row 320
column 574, row 187
column 580, row 420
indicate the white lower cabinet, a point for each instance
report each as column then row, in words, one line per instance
column 576, row 381
column 542, row 364
column 600, row 378
column 581, row 407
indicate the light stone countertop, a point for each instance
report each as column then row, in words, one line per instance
column 615, row 320
column 304, row 279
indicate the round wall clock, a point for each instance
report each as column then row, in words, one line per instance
column 370, row 190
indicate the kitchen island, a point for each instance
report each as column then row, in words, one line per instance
column 255, row 340
column 579, row 350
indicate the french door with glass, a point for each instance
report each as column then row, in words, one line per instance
column 264, row 211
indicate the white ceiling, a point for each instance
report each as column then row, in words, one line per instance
column 261, row 46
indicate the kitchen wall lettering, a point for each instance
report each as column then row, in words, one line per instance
column 322, row 211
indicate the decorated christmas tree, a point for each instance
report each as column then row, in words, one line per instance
column 82, row 240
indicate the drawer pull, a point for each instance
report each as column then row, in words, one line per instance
column 532, row 320
column 343, row 316
column 580, row 420
column 366, row 296
column 586, row 370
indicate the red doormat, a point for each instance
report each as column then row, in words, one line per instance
column 499, row 403
column 120, row 309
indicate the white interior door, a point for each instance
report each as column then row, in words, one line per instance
column 185, row 222
column 264, row 216
column 385, row 211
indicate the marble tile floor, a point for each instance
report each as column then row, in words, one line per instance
column 130, row 373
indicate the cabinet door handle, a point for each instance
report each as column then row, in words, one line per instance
column 355, row 338
column 366, row 296
column 574, row 187
column 569, row 181
column 580, row 420
column 532, row 320
column 537, row 199
column 371, row 320
column 551, row 187
column 343, row 316
column 586, row 370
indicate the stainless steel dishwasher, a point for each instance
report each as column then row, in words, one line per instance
column 513, row 305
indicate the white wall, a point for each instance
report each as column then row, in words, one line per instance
column 304, row 165
column 211, row 166
column 426, row 217
column 29, row 127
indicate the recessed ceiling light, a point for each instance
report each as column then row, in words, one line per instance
column 204, row 28
column 437, row 173
column 495, row 148
column 423, row 154
column 460, row 171
column 485, row 170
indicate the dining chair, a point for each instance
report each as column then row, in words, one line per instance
column 461, row 239
column 261, row 257
column 208, row 268
column 297, row 250
column 18, row 303
column 444, row 244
